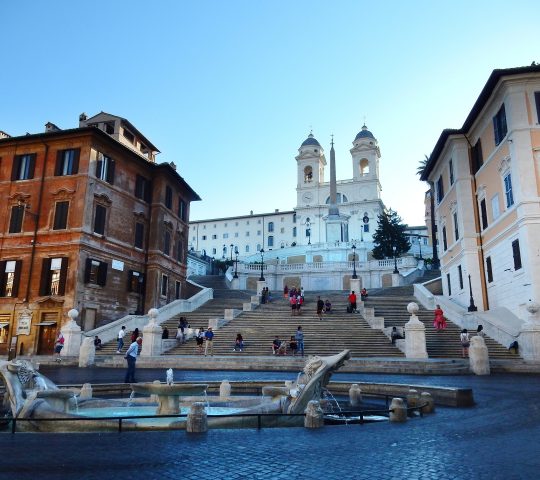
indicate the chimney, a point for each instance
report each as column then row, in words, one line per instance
column 173, row 165
column 82, row 120
column 276, row 210
column 251, row 212
column 51, row 127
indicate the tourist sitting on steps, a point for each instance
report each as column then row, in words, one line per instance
column 395, row 335
column 363, row 294
column 293, row 345
column 238, row 343
column 327, row 306
column 278, row 347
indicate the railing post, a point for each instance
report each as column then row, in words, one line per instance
column 13, row 425
column 258, row 421
column 120, row 425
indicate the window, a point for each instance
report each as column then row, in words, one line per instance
column 16, row 220
column 270, row 241
column 449, row 284
column 10, row 274
column 236, row 235
column 508, row 190
column 127, row 134
column 166, row 242
column 179, row 250
column 499, row 125
column 23, row 167
column 440, row 189
column 60, row 215
column 100, row 217
column 456, row 226
column 445, row 243
column 495, row 206
column 308, row 174
column 164, row 285
column 483, row 213
column 139, row 235
column 53, row 276
column 294, row 232
column 282, row 230
column 247, row 234
column 105, row 168
column 258, row 233
column 95, row 272
column 247, row 248
column 460, row 277
column 177, row 287
column 270, row 226
column 168, row 197
column 214, row 251
column 489, row 270
column 225, row 235
column 182, row 210
column 142, row 188
column 366, row 227
column 339, row 199
column 516, row 253
column 258, row 247
column 204, row 237
column 294, row 218
column 67, row 162
column 135, row 281
column 451, row 171
column 214, row 237
column 537, row 101
column 477, row 158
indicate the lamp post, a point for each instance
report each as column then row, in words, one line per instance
column 236, row 263
column 395, row 260
column 231, row 250
column 262, row 265
column 420, row 246
column 472, row 306
column 354, row 261
column 224, row 251
column 212, row 269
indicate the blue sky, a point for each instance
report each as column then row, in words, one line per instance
column 228, row 90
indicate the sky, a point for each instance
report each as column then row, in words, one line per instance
column 228, row 90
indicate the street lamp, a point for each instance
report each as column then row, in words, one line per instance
column 262, row 265
column 395, row 260
column 472, row 306
column 354, row 261
column 224, row 251
column 231, row 250
column 420, row 246
column 236, row 263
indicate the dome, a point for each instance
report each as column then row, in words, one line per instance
column 364, row 133
column 310, row 140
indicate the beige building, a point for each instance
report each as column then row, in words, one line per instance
column 487, row 208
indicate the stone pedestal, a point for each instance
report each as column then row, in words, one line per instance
column 427, row 400
column 355, row 395
column 415, row 335
column 152, row 332
column 235, row 284
column 72, row 336
column 529, row 337
column 87, row 353
column 86, row 392
column 213, row 323
column 355, row 285
column 225, row 389
column 396, row 279
column 260, row 285
column 413, row 398
column 256, row 299
column 314, row 415
column 197, row 421
column 479, row 356
column 399, row 410
column 229, row 314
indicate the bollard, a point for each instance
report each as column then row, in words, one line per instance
column 86, row 392
column 427, row 400
column 479, row 356
column 197, row 421
column 355, row 395
column 412, row 398
column 399, row 410
column 314, row 415
column 225, row 389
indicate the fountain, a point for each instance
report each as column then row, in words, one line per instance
column 30, row 395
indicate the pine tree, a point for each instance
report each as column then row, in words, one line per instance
column 390, row 233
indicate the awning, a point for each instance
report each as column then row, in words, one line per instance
column 46, row 323
column 4, row 324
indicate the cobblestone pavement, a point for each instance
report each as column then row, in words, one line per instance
column 499, row 438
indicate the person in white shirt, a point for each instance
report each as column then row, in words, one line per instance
column 131, row 357
column 120, row 338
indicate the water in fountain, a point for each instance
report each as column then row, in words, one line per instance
column 76, row 403
column 327, row 394
column 131, row 397
column 40, row 383
column 206, row 402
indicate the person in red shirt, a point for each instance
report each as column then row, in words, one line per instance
column 352, row 302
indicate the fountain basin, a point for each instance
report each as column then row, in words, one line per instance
column 60, row 400
column 168, row 396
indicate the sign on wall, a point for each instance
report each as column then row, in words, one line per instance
column 24, row 322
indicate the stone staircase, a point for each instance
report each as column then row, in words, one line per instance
column 391, row 303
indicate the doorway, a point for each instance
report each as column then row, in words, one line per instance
column 46, row 338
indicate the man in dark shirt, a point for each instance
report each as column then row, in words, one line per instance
column 320, row 306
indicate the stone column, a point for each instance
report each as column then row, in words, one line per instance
column 87, row 353
column 152, row 332
column 355, row 395
column 396, row 279
column 399, row 410
column 314, row 415
column 197, row 420
column 529, row 337
column 479, row 356
column 415, row 335
column 72, row 336
column 235, row 284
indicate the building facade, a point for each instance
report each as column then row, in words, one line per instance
column 487, row 206
column 88, row 222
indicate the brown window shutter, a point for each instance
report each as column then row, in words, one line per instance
column 76, row 157
column 130, row 278
column 110, row 172
column 59, row 163
column 2, row 278
column 17, row 277
column 87, row 270
column 16, row 166
column 45, row 287
column 32, row 166
column 63, row 276
column 102, row 274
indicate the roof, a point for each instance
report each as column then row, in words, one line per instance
column 364, row 133
column 106, row 137
column 310, row 140
column 242, row 217
column 480, row 103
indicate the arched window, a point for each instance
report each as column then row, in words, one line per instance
column 340, row 198
column 270, row 226
column 308, row 174
column 364, row 166
column 258, row 247
column 270, row 241
column 247, row 248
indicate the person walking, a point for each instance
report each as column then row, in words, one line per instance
column 299, row 337
column 292, row 301
column 352, row 302
column 209, row 346
column 286, row 292
column 120, row 339
column 439, row 322
column 58, row 346
column 200, row 340
column 131, row 357
column 134, row 335
column 320, row 307
column 465, row 343
column 298, row 304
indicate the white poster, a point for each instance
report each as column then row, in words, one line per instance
column 24, row 322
